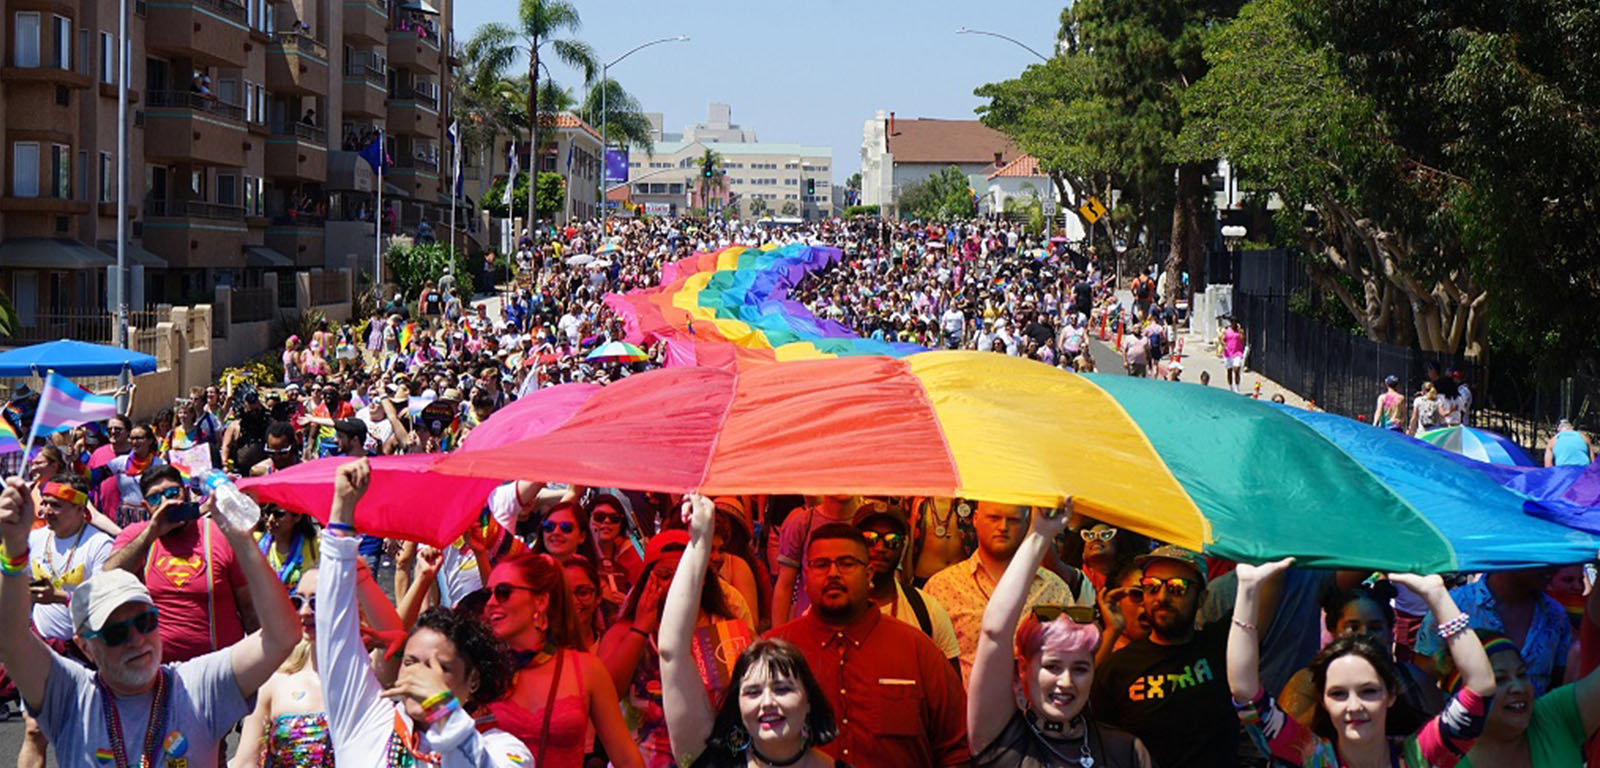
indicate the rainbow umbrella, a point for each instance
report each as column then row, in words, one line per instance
column 617, row 352
column 731, row 308
column 1192, row 465
column 1479, row 444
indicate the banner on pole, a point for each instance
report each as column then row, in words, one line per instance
column 616, row 165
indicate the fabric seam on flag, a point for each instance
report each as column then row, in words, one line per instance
column 927, row 402
column 1207, row 534
column 716, row 437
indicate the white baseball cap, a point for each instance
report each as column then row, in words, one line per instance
column 96, row 599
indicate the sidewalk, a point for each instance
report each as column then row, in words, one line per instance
column 1197, row 356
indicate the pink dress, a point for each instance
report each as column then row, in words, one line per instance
column 568, row 737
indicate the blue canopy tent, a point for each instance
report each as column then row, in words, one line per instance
column 74, row 358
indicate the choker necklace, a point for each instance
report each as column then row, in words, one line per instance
column 1041, row 726
column 805, row 748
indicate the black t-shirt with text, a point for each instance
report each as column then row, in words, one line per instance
column 1174, row 698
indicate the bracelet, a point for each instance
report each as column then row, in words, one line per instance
column 1454, row 627
column 443, row 709
column 1244, row 625
column 8, row 558
column 437, row 699
column 8, row 568
column 340, row 529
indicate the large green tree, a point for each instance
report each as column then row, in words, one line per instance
column 1146, row 53
column 609, row 107
column 944, row 196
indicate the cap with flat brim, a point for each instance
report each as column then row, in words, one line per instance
column 95, row 600
column 1176, row 554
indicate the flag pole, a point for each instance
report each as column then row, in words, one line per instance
column 33, row 428
column 377, row 216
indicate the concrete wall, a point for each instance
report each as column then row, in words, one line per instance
column 182, row 347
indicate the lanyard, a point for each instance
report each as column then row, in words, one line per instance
column 157, row 723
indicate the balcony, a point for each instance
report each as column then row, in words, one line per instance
column 211, row 32
column 417, row 177
column 191, row 234
column 299, row 237
column 297, row 64
column 183, row 126
column 414, row 112
column 415, row 49
column 365, row 88
column 297, row 152
column 366, row 21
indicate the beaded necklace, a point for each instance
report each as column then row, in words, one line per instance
column 152, row 733
column 58, row 577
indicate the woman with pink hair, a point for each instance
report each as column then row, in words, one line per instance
column 1051, row 656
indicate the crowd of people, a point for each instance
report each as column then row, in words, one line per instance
column 575, row 626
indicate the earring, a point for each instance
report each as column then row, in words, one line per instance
column 541, row 621
column 738, row 739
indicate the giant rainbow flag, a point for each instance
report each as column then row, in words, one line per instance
column 731, row 308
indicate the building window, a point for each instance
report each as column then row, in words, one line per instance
column 83, row 175
column 62, row 27
column 25, row 169
column 25, row 48
column 60, row 171
column 108, row 72
column 108, row 174
column 227, row 189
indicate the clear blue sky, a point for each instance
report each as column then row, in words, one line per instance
column 808, row 72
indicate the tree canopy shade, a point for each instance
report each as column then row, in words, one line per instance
column 551, row 195
column 1440, row 162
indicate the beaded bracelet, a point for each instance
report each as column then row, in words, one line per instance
column 1454, row 626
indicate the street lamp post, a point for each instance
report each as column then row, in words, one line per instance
column 605, row 115
column 1018, row 43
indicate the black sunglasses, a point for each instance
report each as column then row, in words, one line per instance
column 297, row 600
column 116, row 634
column 502, row 592
column 600, row 517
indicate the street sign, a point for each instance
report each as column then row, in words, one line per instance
column 1092, row 210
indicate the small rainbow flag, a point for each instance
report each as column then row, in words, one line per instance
column 104, row 756
column 8, row 438
column 407, row 332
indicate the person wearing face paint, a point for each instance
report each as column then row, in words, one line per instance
column 1365, row 610
column 1168, row 689
column 896, row 697
column 1544, row 731
column 1052, row 657
column 885, row 529
column 561, row 691
column 452, row 666
column 133, row 709
column 1357, row 690
column 772, row 714
column 289, row 726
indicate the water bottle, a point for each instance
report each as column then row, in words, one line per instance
column 239, row 510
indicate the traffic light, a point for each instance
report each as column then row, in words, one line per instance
column 811, row 186
column 707, row 172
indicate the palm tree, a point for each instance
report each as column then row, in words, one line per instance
column 538, row 21
column 712, row 176
column 618, row 113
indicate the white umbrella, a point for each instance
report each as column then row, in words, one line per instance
column 579, row 260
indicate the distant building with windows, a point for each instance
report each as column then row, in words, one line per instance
column 896, row 153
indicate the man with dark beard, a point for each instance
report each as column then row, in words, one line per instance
column 1171, row 688
column 897, row 700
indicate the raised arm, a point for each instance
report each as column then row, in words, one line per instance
column 26, row 658
column 1465, row 649
column 990, row 702
column 258, row 655
column 1244, row 638
column 683, row 693
column 349, row 689
column 1451, row 733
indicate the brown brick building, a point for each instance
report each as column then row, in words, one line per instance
column 245, row 118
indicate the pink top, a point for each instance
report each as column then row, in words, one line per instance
column 568, row 738
column 1232, row 343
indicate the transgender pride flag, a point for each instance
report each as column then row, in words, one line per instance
column 64, row 405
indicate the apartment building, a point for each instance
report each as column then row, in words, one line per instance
column 244, row 122
column 762, row 179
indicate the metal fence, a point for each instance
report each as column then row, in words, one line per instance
column 251, row 305
column 97, row 327
column 328, row 288
column 1343, row 373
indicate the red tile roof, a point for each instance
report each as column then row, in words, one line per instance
column 567, row 120
column 927, row 140
column 1024, row 166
